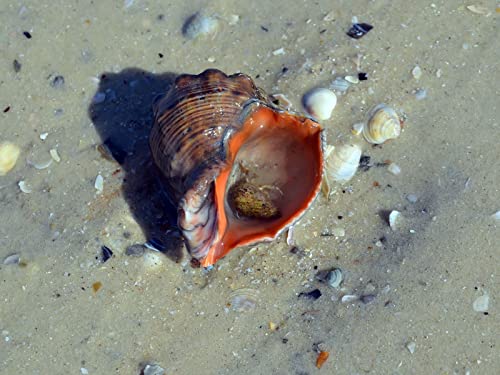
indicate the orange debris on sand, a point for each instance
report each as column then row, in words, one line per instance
column 322, row 357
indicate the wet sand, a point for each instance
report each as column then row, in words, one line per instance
column 415, row 286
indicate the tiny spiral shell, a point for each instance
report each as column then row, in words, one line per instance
column 383, row 124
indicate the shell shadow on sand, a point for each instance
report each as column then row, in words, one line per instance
column 123, row 116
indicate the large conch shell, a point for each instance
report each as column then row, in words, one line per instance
column 239, row 169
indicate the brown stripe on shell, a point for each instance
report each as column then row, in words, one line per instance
column 190, row 123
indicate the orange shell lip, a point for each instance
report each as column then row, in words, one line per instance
column 288, row 151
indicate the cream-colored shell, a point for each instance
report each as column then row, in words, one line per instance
column 342, row 162
column 383, row 124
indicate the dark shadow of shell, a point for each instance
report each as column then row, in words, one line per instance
column 124, row 120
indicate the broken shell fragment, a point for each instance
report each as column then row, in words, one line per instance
column 320, row 103
column 342, row 162
column 9, row 153
column 383, row 124
column 24, row 187
column 244, row 299
column 199, row 25
column 393, row 219
column 239, row 169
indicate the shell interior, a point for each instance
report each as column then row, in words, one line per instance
column 278, row 153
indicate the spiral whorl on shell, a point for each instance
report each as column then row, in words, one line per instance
column 212, row 131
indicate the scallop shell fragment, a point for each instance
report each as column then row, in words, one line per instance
column 383, row 124
column 244, row 299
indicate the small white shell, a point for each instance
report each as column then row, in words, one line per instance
column 383, row 124
column 342, row 162
column 55, row 155
column 25, row 188
column 340, row 84
column 320, row 103
column 200, row 24
column 393, row 219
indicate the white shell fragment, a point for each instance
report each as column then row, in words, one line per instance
column 421, row 94
column 199, row 25
column 416, row 72
column 383, row 124
column 349, row 298
column 43, row 136
column 394, row 169
column 496, row 215
column 357, row 128
column 340, row 84
column 481, row 303
column 411, row 346
column 479, row 9
column 25, row 188
column 335, row 277
column 9, row 153
column 55, row 155
column 393, row 219
column 40, row 165
column 99, row 183
column 352, row 79
column 244, row 299
column 12, row 259
column 320, row 103
column 342, row 162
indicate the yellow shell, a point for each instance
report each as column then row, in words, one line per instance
column 383, row 124
column 9, row 153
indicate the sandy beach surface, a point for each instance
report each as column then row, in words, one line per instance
column 422, row 298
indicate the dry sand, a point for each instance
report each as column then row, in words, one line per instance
column 424, row 276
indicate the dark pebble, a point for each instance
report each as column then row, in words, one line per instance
column 368, row 298
column 358, row 30
column 365, row 163
column 106, row 253
column 313, row 294
column 6, row 109
column 27, row 34
column 136, row 250
column 17, row 66
column 362, row 76
column 57, row 82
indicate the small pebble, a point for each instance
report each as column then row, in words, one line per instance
column 481, row 303
column 99, row 183
column 153, row 370
column 421, row 94
column 200, row 25
column 320, row 103
column 349, row 298
column 411, row 346
column 394, row 169
column 57, row 82
column 17, row 66
column 9, row 153
column 412, row 198
column 136, row 250
column 416, row 72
